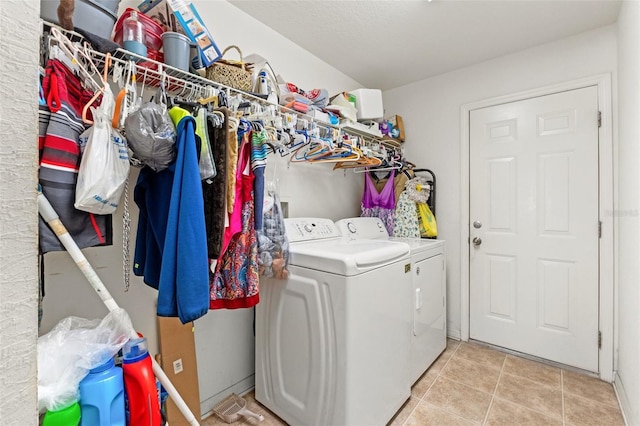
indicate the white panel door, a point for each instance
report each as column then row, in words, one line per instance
column 534, row 226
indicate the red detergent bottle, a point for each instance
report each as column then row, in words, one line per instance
column 143, row 408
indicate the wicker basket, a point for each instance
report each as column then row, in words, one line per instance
column 235, row 74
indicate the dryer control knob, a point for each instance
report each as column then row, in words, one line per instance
column 351, row 227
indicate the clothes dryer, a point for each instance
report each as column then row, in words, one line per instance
column 429, row 307
column 332, row 340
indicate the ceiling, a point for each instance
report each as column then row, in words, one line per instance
column 389, row 43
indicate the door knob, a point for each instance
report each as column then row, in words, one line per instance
column 477, row 224
column 476, row 241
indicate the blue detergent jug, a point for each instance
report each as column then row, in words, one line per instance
column 102, row 396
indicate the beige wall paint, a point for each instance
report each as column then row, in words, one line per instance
column 19, row 38
column 627, row 214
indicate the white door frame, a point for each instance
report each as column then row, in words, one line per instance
column 606, row 208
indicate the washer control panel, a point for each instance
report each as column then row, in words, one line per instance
column 362, row 227
column 307, row 229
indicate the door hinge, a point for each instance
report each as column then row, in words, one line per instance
column 599, row 339
column 599, row 229
column 599, row 119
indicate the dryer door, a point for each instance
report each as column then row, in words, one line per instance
column 429, row 314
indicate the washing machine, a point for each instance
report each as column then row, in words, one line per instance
column 429, row 305
column 332, row 340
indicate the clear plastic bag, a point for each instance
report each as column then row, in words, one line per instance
column 273, row 245
column 72, row 348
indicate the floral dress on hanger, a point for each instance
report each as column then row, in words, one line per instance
column 235, row 282
column 379, row 204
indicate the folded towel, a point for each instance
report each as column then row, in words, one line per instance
column 299, row 106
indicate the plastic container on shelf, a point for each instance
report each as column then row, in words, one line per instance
column 133, row 35
column 102, row 396
column 88, row 15
column 177, row 50
column 143, row 407
column 368, row 103
column 152, row 30
column 154, row 55
column 68, row 416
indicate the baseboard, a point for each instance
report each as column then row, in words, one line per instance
column 623, row 400
column 454, row 334
column 206, row 406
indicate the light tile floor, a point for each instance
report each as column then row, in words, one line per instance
column 470, row 384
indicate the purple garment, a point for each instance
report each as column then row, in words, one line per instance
column 379, row 204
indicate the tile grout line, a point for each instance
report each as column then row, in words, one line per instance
column 495, row 390
column 440, row 372
column 431, row 385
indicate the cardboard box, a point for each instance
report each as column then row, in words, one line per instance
column 178, row 361
column 181, row 16
column 396, row 122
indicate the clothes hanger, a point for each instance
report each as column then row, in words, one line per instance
column 396, row 166
column 70, row 55
column 126, row 96
column 218, row 118
column 363, row 161
column 101, row 90
column 233, row 123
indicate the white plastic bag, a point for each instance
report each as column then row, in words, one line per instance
column 104, row 167
column 72, row 348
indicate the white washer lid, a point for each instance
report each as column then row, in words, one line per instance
column 419, row 245
column 347, row 257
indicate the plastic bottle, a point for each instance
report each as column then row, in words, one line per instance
column 140, row 385
column 68, row 416
column 262, row 86
column 102, row 396
column 133, row 35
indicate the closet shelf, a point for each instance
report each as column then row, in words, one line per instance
column 151, row 73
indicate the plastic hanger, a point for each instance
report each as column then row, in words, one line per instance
column 107, row 64
column 126, row 94
column 396, row 166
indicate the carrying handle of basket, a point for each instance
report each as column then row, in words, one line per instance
column 233, row 46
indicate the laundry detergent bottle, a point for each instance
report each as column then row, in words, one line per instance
column 142, row 405
column 102, row 396
column 68, row 416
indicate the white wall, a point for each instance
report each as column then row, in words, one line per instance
column 431, row 115
column 224, row 339
column 19, row 39
column 628, row 216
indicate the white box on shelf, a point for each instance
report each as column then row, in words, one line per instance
column 361, row 128
column 368, row 104
column 319, row 115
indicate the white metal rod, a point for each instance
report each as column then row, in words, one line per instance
column 51, row 217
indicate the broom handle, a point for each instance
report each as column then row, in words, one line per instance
column 51, row 217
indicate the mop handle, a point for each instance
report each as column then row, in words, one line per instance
column 51, row 217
